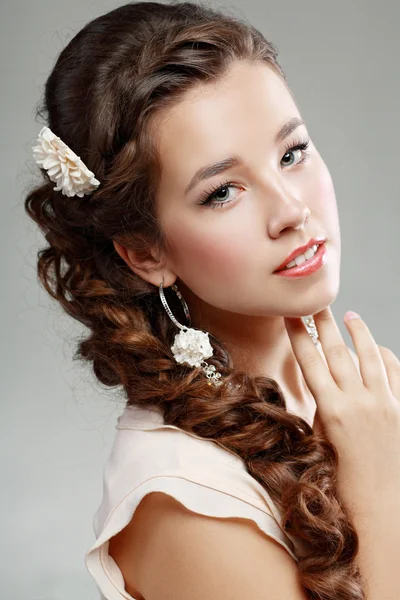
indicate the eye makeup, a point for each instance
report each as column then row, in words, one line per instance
column 207, row 198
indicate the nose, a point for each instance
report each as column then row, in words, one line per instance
column 288, row 214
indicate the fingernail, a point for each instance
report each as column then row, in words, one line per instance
column 351, row 315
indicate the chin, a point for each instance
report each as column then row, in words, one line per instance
column 319, row 298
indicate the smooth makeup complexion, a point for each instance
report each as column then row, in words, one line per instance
column 274, row 198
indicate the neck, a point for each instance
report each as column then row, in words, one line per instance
column 258, row 345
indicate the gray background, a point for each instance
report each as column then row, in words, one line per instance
column 342, row 62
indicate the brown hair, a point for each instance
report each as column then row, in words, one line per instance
column 101, row 98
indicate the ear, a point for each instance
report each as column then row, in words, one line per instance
column 151, row 268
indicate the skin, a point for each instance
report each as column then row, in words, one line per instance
column 223, row 259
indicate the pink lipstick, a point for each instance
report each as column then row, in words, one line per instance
column 306, row 268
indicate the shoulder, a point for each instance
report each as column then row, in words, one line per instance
column 198, row 556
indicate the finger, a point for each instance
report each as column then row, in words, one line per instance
column 312, row 365
column 372, row 366
column 318, row 425
column 392, row 365
column 340, row 362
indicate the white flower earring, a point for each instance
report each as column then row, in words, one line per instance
column 191, row 346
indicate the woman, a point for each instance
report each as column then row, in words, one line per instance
column 223, row 480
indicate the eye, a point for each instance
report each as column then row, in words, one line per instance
column 209, row 197
column 300, row 146
column 221, row 190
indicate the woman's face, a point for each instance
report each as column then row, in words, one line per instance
column 226, row 252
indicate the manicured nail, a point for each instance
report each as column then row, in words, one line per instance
column 351, row 315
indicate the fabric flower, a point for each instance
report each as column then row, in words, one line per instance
column 63, row 166
column 191, row 347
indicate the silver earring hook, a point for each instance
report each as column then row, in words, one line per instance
column 167, row 308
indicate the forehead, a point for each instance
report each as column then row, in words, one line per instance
column 242, row 110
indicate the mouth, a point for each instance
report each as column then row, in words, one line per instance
column 305, row 250
column 306, row 266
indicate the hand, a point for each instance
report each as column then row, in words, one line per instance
column 359, row 415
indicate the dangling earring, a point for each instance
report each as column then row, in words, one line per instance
column 311, row 328
column 191, row 346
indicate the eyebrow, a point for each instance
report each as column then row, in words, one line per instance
column 234, row 161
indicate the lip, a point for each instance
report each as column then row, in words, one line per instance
column 309, row 266
column 300, row 250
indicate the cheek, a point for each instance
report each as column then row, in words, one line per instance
column 216, row 254
column 324, row 194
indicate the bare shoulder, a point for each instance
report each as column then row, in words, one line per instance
column 169, row 551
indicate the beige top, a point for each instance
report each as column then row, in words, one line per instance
column 205, row 477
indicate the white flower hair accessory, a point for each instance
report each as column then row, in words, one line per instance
column 63, row 166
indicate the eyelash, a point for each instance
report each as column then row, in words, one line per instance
column 207, row 196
